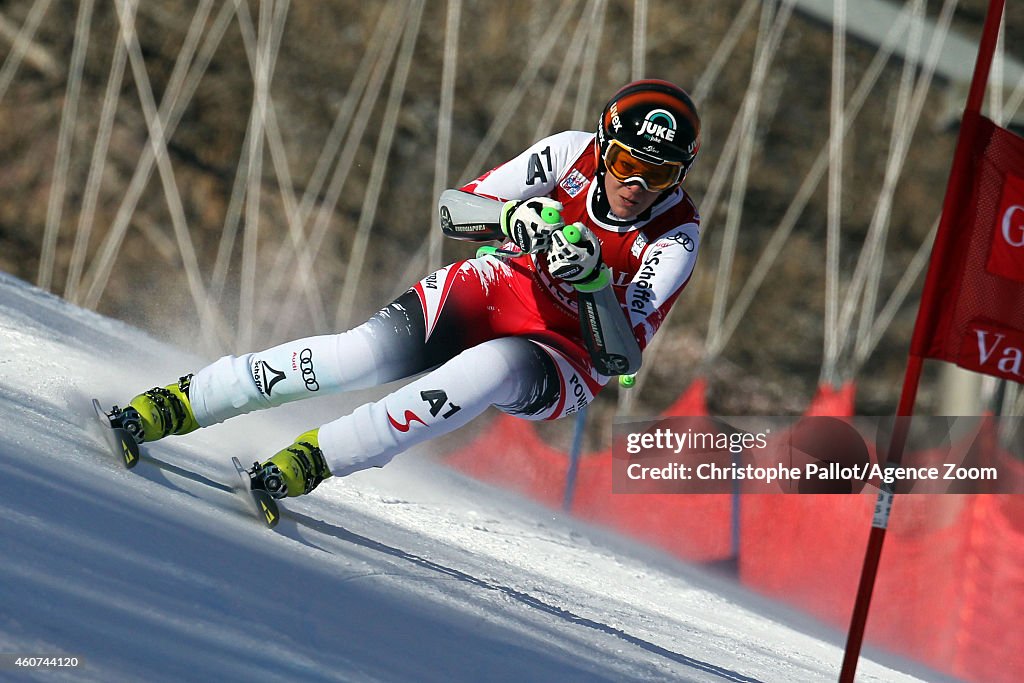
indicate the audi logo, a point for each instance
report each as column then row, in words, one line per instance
column 683, row 240
column 306, row 365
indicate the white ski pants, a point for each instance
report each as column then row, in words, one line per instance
column 503, row 372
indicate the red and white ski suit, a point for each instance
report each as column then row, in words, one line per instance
column 485, row 331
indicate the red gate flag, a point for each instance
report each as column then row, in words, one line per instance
column 972, row 307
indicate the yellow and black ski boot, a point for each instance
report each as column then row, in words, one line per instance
column 295, row 471
column 157, row 413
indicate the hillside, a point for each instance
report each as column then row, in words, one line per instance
column 323, row 52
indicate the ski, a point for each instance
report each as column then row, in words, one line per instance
column 126, row 449
column 122, row 444
column 265, row 504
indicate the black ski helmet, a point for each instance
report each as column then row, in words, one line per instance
column 655, row 119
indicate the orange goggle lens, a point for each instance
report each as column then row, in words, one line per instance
column 621, row 163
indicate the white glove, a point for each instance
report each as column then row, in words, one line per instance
column 575, row 255
column 530, row 222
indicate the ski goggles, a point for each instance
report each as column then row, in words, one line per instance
column 627, row 166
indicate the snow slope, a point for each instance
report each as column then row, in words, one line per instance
column 410, row 573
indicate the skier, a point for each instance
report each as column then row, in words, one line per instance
column 489, row 330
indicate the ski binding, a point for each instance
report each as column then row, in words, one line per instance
column 265, row 504
column 122, row 444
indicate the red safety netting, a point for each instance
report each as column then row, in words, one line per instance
column 988, row 627
column 835, row 401
column 798, row 548
column 696, row 528
column 511, row 454
column 950, row 588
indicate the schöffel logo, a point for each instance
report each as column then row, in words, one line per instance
column 659, row 125
column 265, row 377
